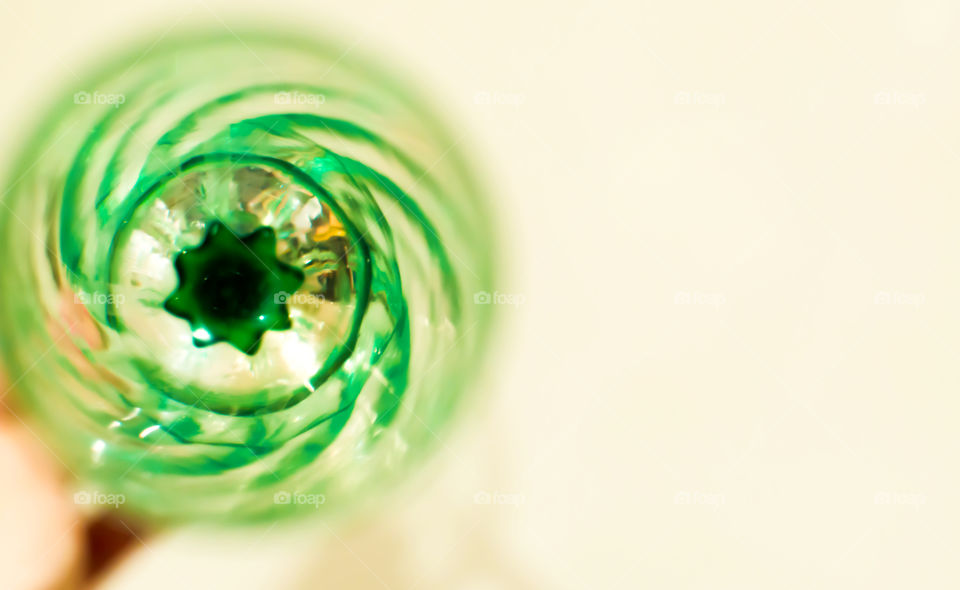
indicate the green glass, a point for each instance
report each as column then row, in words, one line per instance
column 241, row 277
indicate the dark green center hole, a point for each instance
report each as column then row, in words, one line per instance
column 233, row 288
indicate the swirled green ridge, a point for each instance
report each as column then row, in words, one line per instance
column 242, row 278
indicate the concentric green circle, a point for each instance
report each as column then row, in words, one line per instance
column 325, row 166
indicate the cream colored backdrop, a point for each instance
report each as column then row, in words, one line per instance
column 733, row 228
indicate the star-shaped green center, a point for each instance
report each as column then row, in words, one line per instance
column 233, row 289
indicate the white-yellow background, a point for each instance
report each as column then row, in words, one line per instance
column 734, row 230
